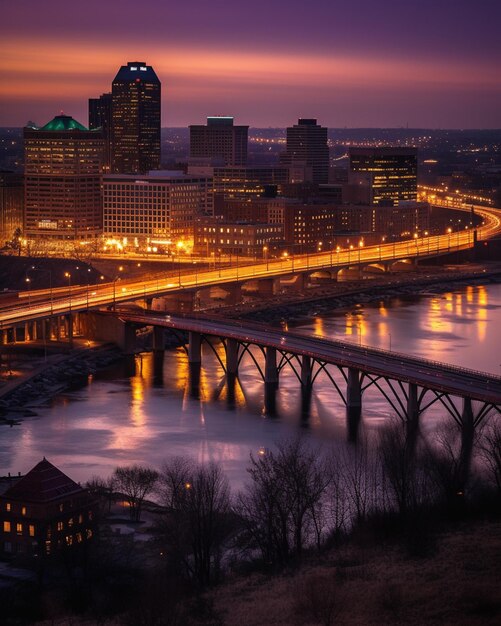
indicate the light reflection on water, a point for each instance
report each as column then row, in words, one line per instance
column 119, row 419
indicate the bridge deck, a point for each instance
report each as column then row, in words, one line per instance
column 440, row 377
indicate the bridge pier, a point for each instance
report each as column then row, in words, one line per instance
column 195, row 361
column 306, row 371
column 412, row 415
column 270, row 368
column 270, row 380
column 353, row 402
column 158, row 339
column 467, row 436
column 129, row 339
column 232, row 347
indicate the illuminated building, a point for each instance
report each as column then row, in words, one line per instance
column 389, row 173
column 62, row 180
column 159, row 206
column 43, row 512
column 11, row 204
column 304, row 224
column 220, row 138
column 100, row 118
column 244, row 182
column 217, row 236
column 307, row 145
column 135, row 110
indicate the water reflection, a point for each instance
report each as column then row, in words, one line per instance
column 125, row 417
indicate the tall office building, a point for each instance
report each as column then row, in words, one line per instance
column 100, row 117
column 219, row 139
column 135, row 129
column 390, row 174
column 307, row 145
column 11, row 204
column 63, row 180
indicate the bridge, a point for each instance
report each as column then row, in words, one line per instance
column 65, row 302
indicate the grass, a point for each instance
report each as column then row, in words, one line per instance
column 458, row 584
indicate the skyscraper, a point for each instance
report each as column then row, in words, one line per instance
column 389, row 173
column 307, row 144
column 63, row 180
column 135, row 129
column 220, row 139
column 100, row 117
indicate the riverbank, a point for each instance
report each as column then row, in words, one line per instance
column 326, row 297
column 34, row 380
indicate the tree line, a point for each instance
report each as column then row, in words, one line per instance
column 300, row 498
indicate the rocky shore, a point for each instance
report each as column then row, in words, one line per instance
column 19, row 397
column 345, row 295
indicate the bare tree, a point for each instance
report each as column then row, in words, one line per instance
column 490, row 452
column 197, row 521
column 282, row 507
column 135, row 482
column 102, row 489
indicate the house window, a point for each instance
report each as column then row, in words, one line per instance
column 32, row 530
column 7, row 506
column 23, row 510
column 19, row 528
column 60, row 526
column 6, row 527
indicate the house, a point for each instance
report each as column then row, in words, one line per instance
column 43, row 512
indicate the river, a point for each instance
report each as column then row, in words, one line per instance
column 117, row 419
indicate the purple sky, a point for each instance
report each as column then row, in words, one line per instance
column 366, row 63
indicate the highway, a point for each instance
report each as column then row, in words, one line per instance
column 426, row 373
column 63, row 300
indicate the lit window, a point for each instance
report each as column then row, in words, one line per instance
column 6, row 527
column 60, row 525
column 32, row 530
column 19, row 529
column 7, row 506
column 23, row 510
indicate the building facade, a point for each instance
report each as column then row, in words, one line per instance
column 156, row 207
column 63, row 163
column 218, row 237
column 135, row 128
column 390, row 174
column 11, row 205
column 307, row 146
column 44, row 512
column 219, row 139
column 100, row 118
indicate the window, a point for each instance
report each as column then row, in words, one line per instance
column 6, row 527
column 32, row 530
column 23, row 510
column 19, row 528
column 7, row 506
column 60, row 525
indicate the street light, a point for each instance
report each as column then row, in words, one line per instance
column 37, row 269
column 68, row 276
column 265, row 255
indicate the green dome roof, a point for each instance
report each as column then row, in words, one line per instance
column 63, row 122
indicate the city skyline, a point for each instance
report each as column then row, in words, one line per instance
column 382, row 64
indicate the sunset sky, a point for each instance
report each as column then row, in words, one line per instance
column 432, row 63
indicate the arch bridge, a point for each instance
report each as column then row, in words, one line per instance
column 410, row 385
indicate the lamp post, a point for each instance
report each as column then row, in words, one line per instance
column 68, row 276
column 37, row 269
column 265, row 255
column 449, row 231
